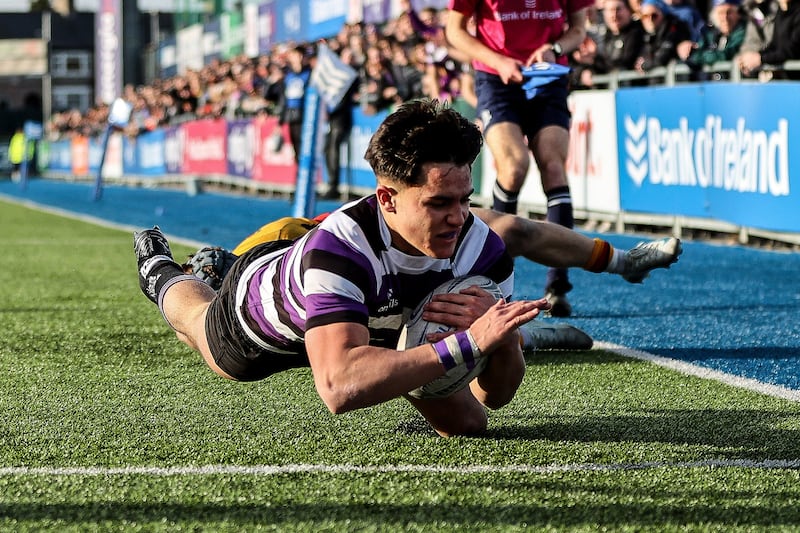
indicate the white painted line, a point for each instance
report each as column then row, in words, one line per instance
column 268, row 470
column 93, row 220
column 703, row 372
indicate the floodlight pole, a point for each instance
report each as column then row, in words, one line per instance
column 155, row 30
column 47, row 82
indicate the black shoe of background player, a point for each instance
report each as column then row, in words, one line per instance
column 560, row 306
column 331, row 194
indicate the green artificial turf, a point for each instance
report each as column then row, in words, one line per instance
column 108, row 422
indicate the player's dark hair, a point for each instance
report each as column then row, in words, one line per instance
column 419, row 132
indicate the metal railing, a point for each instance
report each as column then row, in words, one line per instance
column 679, row 72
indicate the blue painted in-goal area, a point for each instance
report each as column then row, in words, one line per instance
column 729, row 308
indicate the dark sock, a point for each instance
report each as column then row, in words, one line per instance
column 160, row 278
column 504, row 201
column 559, row 211
column 559, row 207
column 161, row 274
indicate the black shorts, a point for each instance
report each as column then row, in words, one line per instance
column 234, row 352
column 500, row 102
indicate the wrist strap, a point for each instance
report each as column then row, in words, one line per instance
column 459, row 348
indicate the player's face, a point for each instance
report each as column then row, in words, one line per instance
column 428, row 219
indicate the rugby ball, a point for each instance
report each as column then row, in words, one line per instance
column 416, row 330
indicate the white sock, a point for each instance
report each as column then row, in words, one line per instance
column 616, row 265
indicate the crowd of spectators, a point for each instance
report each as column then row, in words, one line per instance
column 645, row 35
column 408, row 57
column 403, row 59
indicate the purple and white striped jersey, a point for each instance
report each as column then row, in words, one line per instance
column 345, row 270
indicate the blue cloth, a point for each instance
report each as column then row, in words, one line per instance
column 539, row 75
column 660, row 5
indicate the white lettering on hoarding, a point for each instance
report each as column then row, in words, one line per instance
column 291, row 18
column 324, row 10
column 173, row 149
column 212, row 149
column 732, row 159
column 241, row 149
column 151, row 155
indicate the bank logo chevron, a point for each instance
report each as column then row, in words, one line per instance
column 636, row 148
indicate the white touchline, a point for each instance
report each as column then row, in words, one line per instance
column 266, row 470
column 93, row 220
column 703, row 372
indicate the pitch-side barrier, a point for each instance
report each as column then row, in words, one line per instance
column 693, row 158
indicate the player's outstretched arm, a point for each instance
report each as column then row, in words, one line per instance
column 350, row 374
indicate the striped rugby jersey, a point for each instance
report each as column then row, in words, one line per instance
column 345, row 270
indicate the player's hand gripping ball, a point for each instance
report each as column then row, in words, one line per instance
column 415, row 333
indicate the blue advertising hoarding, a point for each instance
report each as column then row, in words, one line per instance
column 303, row 20
column 168, row 57
column 716, row 150
column 60, row 156
column 325, row 18
column 266, row 27
column 212, row 45
column 150, row 153
column 240, row 149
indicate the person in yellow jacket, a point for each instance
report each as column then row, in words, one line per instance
column 16, row 152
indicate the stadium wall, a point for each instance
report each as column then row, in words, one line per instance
column 711, row 156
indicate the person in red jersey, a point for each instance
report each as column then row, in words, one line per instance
column 510, row 35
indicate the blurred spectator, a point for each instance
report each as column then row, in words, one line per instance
column 722, row 40
column 402, row 30
column 340, row 122
column 357, row 45
column 760, row 24
column 462, row 87
column 185, row 96
column 582, row 62
column 272, row 90
column 425, row 23
column 408, row 70
column 441, row 81
column 687, row 12
column 595, row 24
column 377, row 89
column 261, row 74
column 667, row 38
column 784, row 45
column 624, row 38
column 292, row 100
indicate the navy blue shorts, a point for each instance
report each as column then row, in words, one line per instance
column 498, row 102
